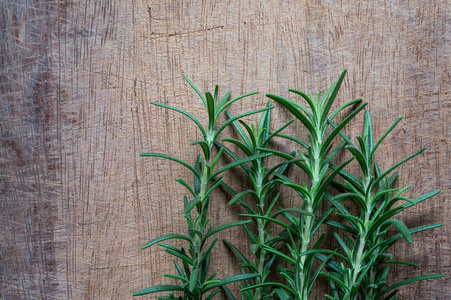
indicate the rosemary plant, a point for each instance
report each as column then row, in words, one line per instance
column 366, row 258
column 193, row 273
column 263, row 180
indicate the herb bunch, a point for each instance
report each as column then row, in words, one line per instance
column 360, row 267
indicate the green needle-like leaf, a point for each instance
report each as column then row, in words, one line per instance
column 298, row 141
column 269, row 284
column 191, row 204
column 211, row 110
column 402, row 228
column 165, row 237
column 183, row 279
column 184, row 113
column 398, row 236
column 224, row 226
column 153, row 154
column 214, row 293
column 307, row 98
column 240, row 162
column 222, row 101
column 332, row 116
column 385, row 135
column 295, row 111
column 197, row 91
column 231, row 279
column 205, row 147
column 159, row 288
column 340, row 126
column 276, row 132
column 240, row 131
column 213, row 187
column 239, row 117
column 240, row 145
column 232, row 101
column 241, row 195
column 395, row 166
column 238, row 252
column 193, row 280
column 186, row 185
column 331, row 98
column 410, row 280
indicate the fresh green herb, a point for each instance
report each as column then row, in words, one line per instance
column 367, row 262
column 263, row 180
column 314, row 162
column 359, row 269
column 193, row 273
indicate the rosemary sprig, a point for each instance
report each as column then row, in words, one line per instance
column 366, row 243
column 193, row 273
column 263, row 180
column 315, row 163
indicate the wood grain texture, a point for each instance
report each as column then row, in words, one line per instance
column 76, row 79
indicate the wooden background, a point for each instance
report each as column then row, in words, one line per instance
column 76, row 79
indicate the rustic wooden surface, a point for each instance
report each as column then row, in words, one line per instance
column 76, row 79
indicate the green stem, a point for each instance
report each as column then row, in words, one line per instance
column 197, row 225
column 357, row 263
column 197, row 249
column 261, row 232
column 307, row 226
column 304, row 247
column 373, row 270
column 261, row 260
